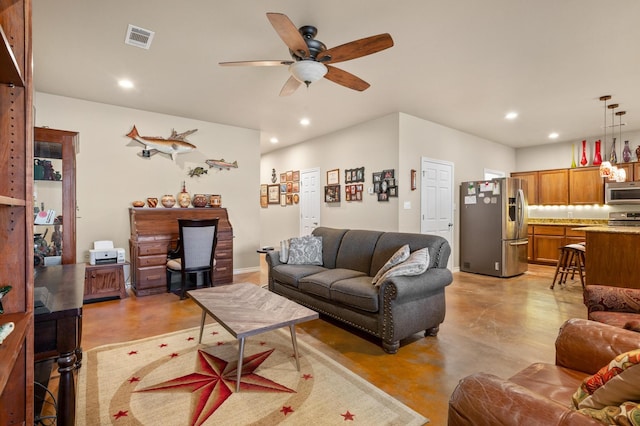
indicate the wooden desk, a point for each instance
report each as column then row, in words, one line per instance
column 58, row 333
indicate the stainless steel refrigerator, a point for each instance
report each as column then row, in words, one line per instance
column 493, row 227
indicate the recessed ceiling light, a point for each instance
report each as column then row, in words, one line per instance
column 125, row 84
column 273, row 140
column 511, row 115
column 553, row 135
column 305, row 122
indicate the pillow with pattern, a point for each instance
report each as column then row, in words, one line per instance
column 305, row 250
column 399, row 256
column 416, row 264
column 284, row 251
column 627, row 413
column 613, row 385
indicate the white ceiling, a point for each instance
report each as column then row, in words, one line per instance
column 460, row 63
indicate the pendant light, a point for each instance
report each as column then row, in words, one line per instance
column 605, row 166
column 621, row 176
column 613, row 156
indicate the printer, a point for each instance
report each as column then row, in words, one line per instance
column 103, row 252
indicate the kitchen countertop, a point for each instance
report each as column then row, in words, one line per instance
column 569, row 222
column 613, row 229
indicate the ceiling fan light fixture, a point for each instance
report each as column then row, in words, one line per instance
column 308, row 71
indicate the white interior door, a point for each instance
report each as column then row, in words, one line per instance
column 436, row 200
column 309, row 200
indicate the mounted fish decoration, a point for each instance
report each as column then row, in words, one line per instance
column 221, row 164
column 197, row 172
column 174, row 144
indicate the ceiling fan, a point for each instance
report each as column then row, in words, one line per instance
column 311, row 58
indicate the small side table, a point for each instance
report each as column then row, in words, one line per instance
column 104, row 281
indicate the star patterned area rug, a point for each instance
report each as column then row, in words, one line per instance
column 173, row 380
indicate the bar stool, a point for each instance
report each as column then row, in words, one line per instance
column 572, row 259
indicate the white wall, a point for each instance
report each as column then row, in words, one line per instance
column 110, row 174
column 372, row 145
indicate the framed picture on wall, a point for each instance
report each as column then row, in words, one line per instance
column 332, row 194
column 333, row 177
column 263, row 190
column 283, row 177
column 273, row 196
column 264, row 201
column 296, row 175
column 290, row 176
column 283, row 200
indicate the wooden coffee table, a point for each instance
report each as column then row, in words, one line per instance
column 246, row 309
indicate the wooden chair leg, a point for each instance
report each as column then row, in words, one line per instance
column 559, row 266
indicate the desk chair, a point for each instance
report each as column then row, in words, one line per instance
column 195, row 252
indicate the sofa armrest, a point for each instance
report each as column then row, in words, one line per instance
column 412, row 287
column 484, row 399
column 273, row 258
column 575, row 348
column 615, row 299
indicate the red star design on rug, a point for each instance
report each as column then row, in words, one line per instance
column 163, row 345
column 213, row 333
column 190, row 338
column 348, row 416
column 173, row 355
column 220, row 343
column 121, row 414
column 133, row 353
column 307, row 376
column 286, row 410
column 214, row 380
column 134, row 379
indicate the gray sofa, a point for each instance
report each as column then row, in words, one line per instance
column 341, row 287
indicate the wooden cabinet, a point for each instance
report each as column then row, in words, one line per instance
column 612, row 257
column 636, row 172
column 553, row 187
column 104, row 281
column 16, row 211
column 531, row 192
column 586, row 186
column 154, row 232
column 530, row 245
column 546, row 240
column 58, row 147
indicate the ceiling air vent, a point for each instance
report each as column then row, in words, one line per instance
column 138, row 37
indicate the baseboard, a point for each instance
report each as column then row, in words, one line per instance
column 246, row 270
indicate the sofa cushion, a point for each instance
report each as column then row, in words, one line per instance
column 416, row 264
column 305, row 250
column 626, row 413
column 399, row 256
column 357, row 293
column 320, row 283
column 291, row 274
column 613, row 385
column 331, row 239
column 555, row 382
column 356, row 249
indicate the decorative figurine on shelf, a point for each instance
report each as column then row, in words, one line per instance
column 184, row 200
column 5, row 330
column 3, row 291
column 613, row 157
column 573, row 156
column 583, row 160
column 56, row 237
column 168, row 200
column 597, row 158
column 638, row 153
column 626, row 152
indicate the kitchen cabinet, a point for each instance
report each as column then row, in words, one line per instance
column 531, row 193
column 16, row 212
column 586, row 186
column 546, row 240
column 104, row 281
column 154, row 232
column 553, row 187
column 612, row 256
column 636, row 172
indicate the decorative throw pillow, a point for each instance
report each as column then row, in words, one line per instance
column 614, row 384
column 633, row 325
column 399, row 256
column 416, row 264
column 627, row 413
column 305, row 250
column 284, row 251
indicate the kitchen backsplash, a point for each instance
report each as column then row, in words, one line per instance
column 578, row 212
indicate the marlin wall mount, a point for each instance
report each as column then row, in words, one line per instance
column 175, row 144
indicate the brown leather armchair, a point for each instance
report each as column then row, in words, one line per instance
column 541, row 393
column 615, row 306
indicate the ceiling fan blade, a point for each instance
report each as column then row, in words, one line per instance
column 346, row 79
column 290, row 86
column 289, row 33
column 267, row 63
column 356, row 49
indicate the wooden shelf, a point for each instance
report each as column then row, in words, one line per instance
column 14, row 202
column 9, row 69
column 10, row 348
